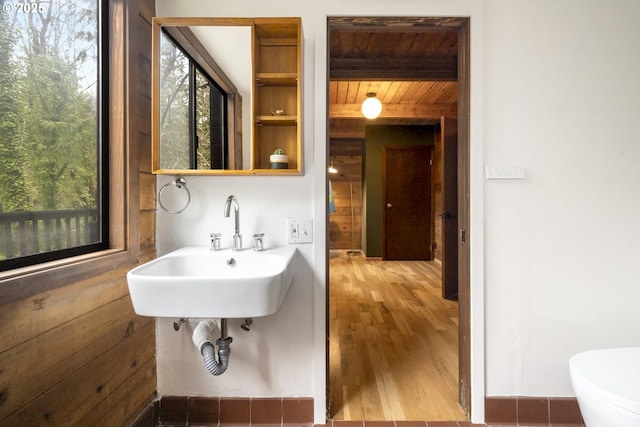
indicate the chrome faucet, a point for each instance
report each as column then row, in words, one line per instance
column 237, row 238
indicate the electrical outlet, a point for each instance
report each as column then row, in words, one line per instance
column 294, row 230
column 299, row 230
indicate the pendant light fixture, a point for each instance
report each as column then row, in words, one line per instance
column 371, row 107
column 332, row 168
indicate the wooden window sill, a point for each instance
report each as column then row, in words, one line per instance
column 24, row 282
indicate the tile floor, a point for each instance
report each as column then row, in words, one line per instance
column 402, row 424
column 368, row 424
column 423, row 424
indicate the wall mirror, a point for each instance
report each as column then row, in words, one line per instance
column 205, row 88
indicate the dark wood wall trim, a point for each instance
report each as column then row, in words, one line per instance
column 464, row 215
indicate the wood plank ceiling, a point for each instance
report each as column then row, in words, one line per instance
column 411, row 63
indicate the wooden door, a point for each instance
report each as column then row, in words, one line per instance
column 407, row 202
column 449, row 214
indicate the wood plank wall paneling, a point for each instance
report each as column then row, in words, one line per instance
column 347, row 158
column 140, row 14
column 79, row 355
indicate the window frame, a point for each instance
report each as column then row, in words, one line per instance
column 219, row 139
column 101, row 164
column 122, row 247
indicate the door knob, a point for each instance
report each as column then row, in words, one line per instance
column 389, row 205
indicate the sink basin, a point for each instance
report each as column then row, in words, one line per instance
column 199, row 283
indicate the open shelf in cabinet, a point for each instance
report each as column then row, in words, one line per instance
column 277, row 79
column 277, row 92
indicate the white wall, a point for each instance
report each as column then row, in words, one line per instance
column 555, row 90
column 562, row 99
column 273, row 359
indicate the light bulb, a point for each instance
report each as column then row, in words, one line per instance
column 371, row 107
column 332, row 169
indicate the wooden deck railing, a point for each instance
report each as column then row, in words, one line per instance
column 29, row 233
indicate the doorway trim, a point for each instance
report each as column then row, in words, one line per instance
column 442, row 8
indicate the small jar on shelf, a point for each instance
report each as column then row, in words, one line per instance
column 279, row 160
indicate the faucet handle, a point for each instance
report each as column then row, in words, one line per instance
column 259, row 243
column 215, row 241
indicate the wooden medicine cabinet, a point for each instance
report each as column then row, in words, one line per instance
column 264, row 103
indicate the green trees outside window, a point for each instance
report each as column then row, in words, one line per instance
column 51, row 128
column 193, row 133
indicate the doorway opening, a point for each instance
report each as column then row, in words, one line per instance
column 418, row 67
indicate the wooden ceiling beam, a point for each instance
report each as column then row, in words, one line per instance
column 388, row 23
column 348, row 133
column 434, row 68
column 397, row 111
column 347, row 147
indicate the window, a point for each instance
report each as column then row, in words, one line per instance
column 193, row 113
column 53, row 189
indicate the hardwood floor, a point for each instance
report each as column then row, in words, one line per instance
column 393, row 342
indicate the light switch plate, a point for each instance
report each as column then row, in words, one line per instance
column 300, row 230
column 504, row 172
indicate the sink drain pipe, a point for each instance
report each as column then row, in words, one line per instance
column 202, row 339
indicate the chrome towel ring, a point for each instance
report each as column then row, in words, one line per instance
column 180, row 183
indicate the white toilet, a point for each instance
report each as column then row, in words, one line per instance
column 607, row 385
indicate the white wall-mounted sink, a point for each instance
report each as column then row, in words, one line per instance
column 199, row 283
